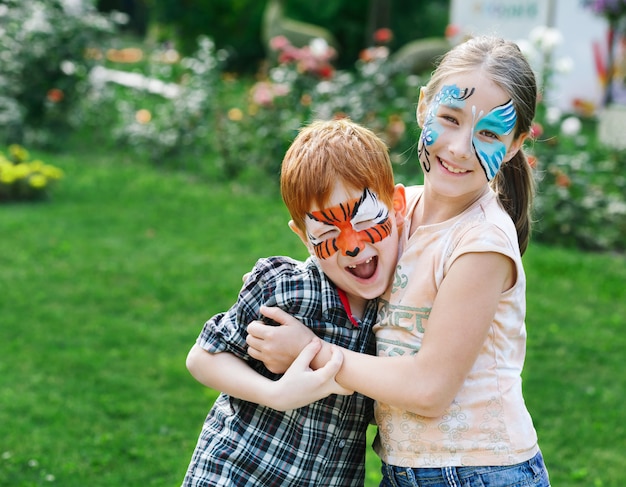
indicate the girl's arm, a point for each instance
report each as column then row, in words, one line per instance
column 299, row 386
column 427, row 382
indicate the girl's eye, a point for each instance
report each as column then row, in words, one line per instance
column 450, row 119
column 489, row 134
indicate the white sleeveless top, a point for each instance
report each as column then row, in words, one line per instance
column 488, row 423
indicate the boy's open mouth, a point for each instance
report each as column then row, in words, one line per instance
column 364, row 270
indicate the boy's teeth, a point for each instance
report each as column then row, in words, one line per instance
column 366, row 262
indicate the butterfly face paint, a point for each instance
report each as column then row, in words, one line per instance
column 486, row 129
column 349, row 226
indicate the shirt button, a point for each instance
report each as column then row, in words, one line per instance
column 342, row 443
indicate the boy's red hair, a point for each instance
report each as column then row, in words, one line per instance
column 327, row 152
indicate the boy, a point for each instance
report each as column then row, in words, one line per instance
column 337, row 183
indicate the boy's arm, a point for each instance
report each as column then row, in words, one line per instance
column 299, row 386
column 278, row 346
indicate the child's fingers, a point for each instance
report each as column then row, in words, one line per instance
column 303, row 361
column 330, row 369
column 278, row 315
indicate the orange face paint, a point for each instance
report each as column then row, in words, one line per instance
column 349, row 226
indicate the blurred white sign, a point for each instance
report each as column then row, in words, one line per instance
column 584, row 40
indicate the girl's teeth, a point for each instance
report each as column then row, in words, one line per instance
column 452, row 169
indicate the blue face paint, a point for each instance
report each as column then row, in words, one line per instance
column 450, row 95
column 500, row 121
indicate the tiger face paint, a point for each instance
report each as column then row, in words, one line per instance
column 349, row 226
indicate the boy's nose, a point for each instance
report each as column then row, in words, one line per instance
column 349, row 242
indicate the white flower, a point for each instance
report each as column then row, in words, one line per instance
column 68, row 67
column 319, row 47
column 73, row 7
column 120, row 18
column 545, row 38
column 564, row 65
column 571, row 126
column 553, row 115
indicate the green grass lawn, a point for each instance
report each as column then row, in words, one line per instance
column 104, row 288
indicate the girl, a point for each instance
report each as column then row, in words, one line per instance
column 451, row 335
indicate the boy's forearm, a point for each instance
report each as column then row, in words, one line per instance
column 298, row 387
column 240, row 380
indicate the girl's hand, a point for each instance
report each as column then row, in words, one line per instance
column 302, row 385
column 277, row 346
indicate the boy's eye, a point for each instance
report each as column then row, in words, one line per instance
column 363, row 225
column 328, row 234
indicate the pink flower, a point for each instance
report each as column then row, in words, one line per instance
column 279, row 43
column 262, row 93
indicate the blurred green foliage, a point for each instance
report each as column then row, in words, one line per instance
column 235, row 25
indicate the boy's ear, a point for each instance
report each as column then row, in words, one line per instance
column 300, row 233
column 399, row 204
column 422, row 106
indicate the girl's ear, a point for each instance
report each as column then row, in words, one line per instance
column 515, row 147
column 302, row 235
column 422, row 107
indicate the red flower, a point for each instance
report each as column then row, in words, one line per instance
column 325, row 71
column 383, row 36
column 452, row 30
column 55, row 95
column 563, row 180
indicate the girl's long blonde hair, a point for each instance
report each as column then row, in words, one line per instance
column 506, row 66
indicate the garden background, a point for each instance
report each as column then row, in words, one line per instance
column 141, row 143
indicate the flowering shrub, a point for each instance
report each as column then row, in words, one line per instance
column 167, row 128
column 303, row 87
column 21, row 179
column 611, row 9
column 246, row 128
column 581, row 190
column 43, row 65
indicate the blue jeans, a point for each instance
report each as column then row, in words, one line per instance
column 531, row 473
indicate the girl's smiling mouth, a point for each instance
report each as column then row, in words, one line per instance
column 452, row 169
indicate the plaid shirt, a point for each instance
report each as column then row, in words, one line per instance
column 322, row 444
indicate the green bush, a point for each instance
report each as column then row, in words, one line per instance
column 44, row 65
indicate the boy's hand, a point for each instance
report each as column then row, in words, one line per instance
column 277, row 346
column 301, row 385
